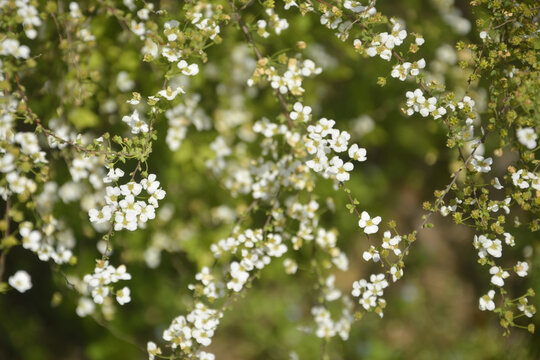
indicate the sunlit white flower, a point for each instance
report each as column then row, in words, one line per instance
column 498, row 275
column 370, row 225
column 123, row 295
column 301, row 112
column 527, row 137
column 357, row 153
column 339, row 169
column 391, row 243
column 482, row 165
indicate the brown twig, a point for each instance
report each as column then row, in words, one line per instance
column 259, row 56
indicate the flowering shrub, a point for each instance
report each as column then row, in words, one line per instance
column 175, row 170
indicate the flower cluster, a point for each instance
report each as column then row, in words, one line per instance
column 370, row 293
column 198, row 326
column 135, row 123
column 292, row 78
column 328, row 328
column 322, row 139
column 48, row 244
column 417, row 103
column 181, row 116
column 383, row 43
column 100, row 283
column 524, row 179
column 125, row 206
column 26, row 143
column 401, row 71
column 255, row 250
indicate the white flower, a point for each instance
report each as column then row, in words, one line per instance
column 528, row 310
column 482, row 165
column 428, row 106
column 123, row 82
column 401, row 71
column 535, row 181
column 202, row 336
column 290, row 266
column 136, row 124
column 113, row 175
column 101, row 216
column 170, row 94
column 171, row 28
column 509, row 239
column 497, row 184
column 13, row 47
column 261, row 24
column 170, row 54
column 138, row 28
column 445, row 210
column 519, row 180
column 357, row 153
column 131, row 188
column 152, row 350
column 239, row 277
column 493, row 247
column 521, row 268
column 150, row 184
column 498, row 275
column 203, row 355
column 123, row 295
column 85, row 307
column 486, row 301
column 340, row 169
column 190, row 70
column 371, row 51
column 397, row 273
column 21, row 281
column 391, row 243
column 302, row 113
column 99, row 294
column 371, row 254
column 150, row 48
column 416, row 66
column 369, row 224
column 527, row 137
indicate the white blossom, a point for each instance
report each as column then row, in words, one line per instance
column 21, row 281
column 370, row 225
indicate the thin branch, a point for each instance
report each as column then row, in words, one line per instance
column 50, row 133
column 259, row 56
column 6, row 234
